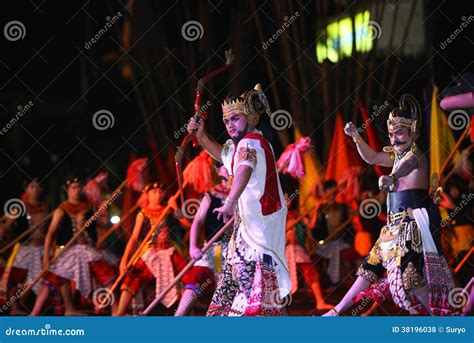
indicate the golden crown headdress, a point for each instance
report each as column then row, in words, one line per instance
column 233, row 106
column 253, row 102
column 406, row 105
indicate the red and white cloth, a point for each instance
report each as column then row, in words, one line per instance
column 261, row 205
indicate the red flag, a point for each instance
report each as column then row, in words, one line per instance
column 372, row 138
column 343, row 162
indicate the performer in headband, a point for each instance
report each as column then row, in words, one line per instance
column 160, row 261
column 82, row 261
column 201, row 279
column 255, row 273
column 25, row 261
column 408, row 248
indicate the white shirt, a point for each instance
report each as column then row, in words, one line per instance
column 261, row 234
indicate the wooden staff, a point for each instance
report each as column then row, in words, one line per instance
column 24, row 234
column 335, row 232
column 188, row 267
column 464, row 260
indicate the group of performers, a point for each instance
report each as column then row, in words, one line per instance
column 259, row 256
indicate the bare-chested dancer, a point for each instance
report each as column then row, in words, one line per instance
column 406, row 247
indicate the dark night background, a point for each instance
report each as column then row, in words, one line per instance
column 68, row 83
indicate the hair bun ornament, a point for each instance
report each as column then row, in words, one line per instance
column 410, row 104
column 407, row 105
column 256, row 101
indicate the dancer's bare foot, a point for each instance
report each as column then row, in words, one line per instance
column 331, row 313
column 323, row 306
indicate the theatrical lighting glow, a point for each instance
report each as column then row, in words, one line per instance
column 114, row 219
column 338, row 38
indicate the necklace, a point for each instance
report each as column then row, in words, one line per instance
column 402, row 154
column 74, row 209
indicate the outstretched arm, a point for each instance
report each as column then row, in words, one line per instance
column 48, row 241
column 365, row 151
column 132, row 242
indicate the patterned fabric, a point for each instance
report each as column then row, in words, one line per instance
column 247, row 288
column 399, row 294
column 30, row 258
column 407, row 251
column 377, row 292
column 74, row 264
column 247, row 154
column 367, row 274
column 100, row 271
column 295, row 256
column 160, row 263
column 248, row 284
column 332, row 251
column 400, row 241
column 213, row 258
